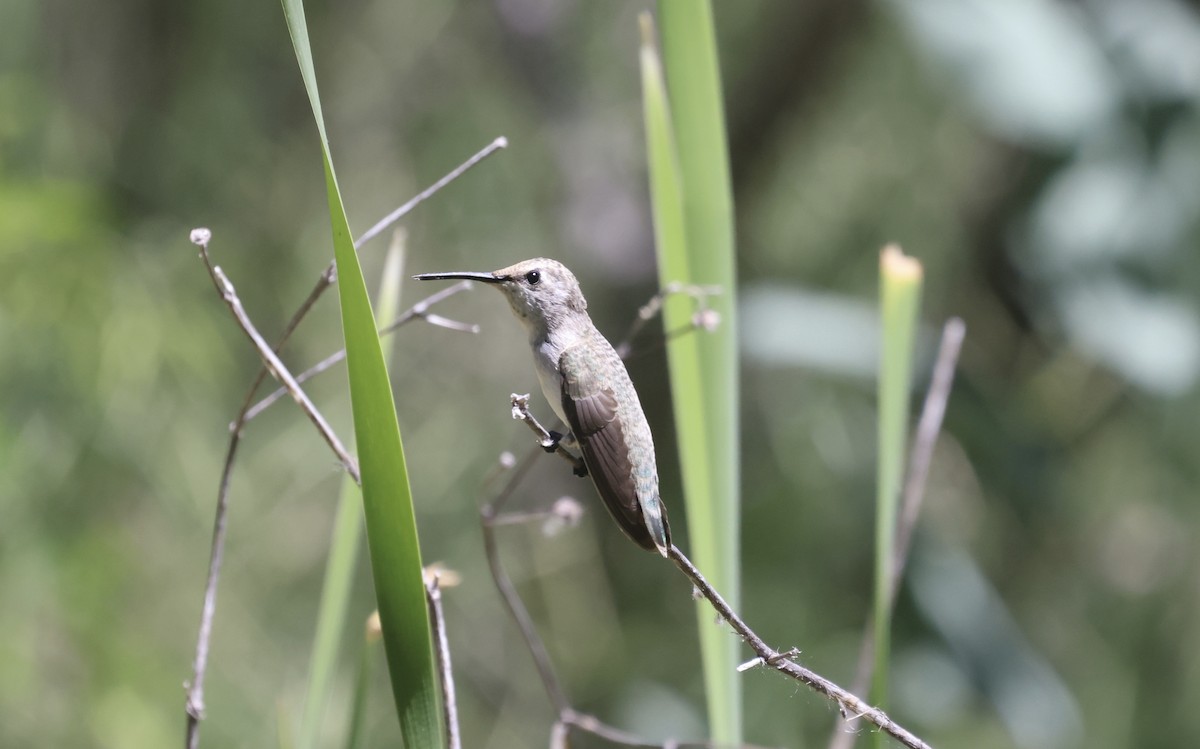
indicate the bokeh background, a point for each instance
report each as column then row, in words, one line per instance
column 1041, row 158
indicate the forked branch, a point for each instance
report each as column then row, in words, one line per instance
column 194, row 701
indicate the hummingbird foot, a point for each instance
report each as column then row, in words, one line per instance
column 551, row 445
column 580, row 469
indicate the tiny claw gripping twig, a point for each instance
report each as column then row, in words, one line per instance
column 549, row 441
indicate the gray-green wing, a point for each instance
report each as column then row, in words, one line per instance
column 593, row 413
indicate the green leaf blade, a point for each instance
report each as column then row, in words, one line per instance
column 333, row 610
column 694, row 242
column 387, row 498
column 900, row 291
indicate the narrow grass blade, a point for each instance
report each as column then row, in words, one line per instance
column 900, row 288
column 343, row 548
column 387, row 498
column 697, row 247
column 356, row 729
column 331, row 616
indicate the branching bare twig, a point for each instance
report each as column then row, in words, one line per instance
column 491, row 516
column 277, row 368
column 194, row 701
column 194, row 704
column 488, row 515
column 546, row 440
column 848, row 704
column 568, row 718
column 419, row 311
column 704, row 317
column 928, row 428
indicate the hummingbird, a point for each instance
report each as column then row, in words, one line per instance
column 589, row 388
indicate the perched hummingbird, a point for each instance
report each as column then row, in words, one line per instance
column 590, row 390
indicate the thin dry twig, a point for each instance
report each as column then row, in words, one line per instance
column 488, row 515
column 928, row 428
column 194, row 700
column 430, row 191
column 704, row 317
column 491, row 517
column 419, row 311
column 568, row 717
column 546, row 440
column 441, row 651
column 847, row 703
column 277, row 368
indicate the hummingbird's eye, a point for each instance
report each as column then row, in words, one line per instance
column 533, row 277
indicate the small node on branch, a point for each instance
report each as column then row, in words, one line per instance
column 441, row 574
column 200, row 236
column 707, row 320
column 753, row 662
column 520, row 406
column 703, row 318
column 565, row 513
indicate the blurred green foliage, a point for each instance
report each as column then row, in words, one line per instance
column 1039, row 157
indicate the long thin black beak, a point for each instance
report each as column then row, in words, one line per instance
column 481, row 277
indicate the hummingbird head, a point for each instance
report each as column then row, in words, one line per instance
column 543, row 294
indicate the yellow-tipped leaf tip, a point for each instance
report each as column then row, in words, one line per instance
column 646, row 23
column 374, row 629
column 897, row 266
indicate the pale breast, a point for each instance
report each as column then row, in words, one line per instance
column 545, row 363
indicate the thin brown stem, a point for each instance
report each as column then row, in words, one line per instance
column 928, row 428
column 441, row 651
column 568, row 717
column 419, row 311
column 847, row 702
column 277, row 368
column 546, row 441
column 704, row 316
column 429, row 192
column 488, row 514
column 194, row 703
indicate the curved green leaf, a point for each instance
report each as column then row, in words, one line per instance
column 387, row 499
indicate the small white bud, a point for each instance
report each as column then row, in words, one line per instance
column 708, row 320
column 200, row 236
column 565, row 513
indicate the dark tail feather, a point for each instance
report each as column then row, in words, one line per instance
column 655, row 515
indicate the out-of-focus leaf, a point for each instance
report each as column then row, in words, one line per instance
column 693, row 220
column 1029, row 67
column 900, row 292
